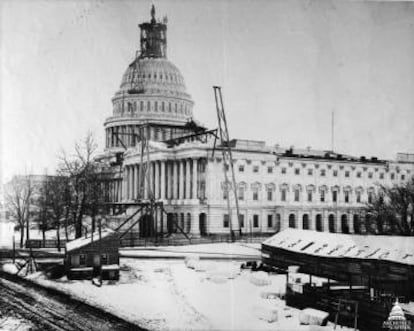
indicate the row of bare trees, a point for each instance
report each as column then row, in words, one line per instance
column 62, row 200
column 392, row 210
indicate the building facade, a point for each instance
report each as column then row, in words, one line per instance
column 276, row 187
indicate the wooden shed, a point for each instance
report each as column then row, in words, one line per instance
column 92, row 256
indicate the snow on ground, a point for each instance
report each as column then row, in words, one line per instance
column 216, row 250
column 167, row 295
column 8, row 323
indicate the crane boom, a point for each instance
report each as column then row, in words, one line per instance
column 230, row 184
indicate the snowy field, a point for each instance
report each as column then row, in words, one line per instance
column 10, row 323
column 189, row 295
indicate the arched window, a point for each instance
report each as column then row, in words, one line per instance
column 305, row 222
column 319, row 225
column 344, row 224
column 331, row 221
column 292, row 221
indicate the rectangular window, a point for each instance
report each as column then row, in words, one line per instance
column 309, row 196
column 370, row 197
column 322, row 196
column 370, row 174
column 323, row 172
column 269, row 195
column 346, row 173
column 225, row 194
column 392, row 176
column 381, row 175
column 255, row 221
column 141, row 105
column 334, row 196
column 241, row 168
column 283, row 197
column 256, row 169
column 359, row 174
column 402, row 177
column 269, row 170
column 156, row 106
column 270, row 221
column 226, row 221
column 241, row 220
column 240, row 194
column 358, row 197
column 255, row 195
column 297, row 195
column 310, row 172
column 163, row 105
column 346, row 196
column 297, row 171
column 283, row 170
column 82, row 259
column 148, row 106
column 335, row 173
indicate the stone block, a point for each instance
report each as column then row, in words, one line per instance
column 266, row 313
column 312, row 316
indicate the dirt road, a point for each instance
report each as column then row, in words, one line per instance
column 51, row 311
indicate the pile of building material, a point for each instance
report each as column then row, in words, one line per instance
column 310, row 316
column 260, row 278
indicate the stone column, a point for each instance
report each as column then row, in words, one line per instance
column 124, row 184
column 133, row 182
column 338, row 222
column 175, row 184
column 195, row 178
column 351, row 222
column 151, row 177
column 187, row 179
column 181, row 179
column 162, row 182
column 195, row 228
column 157, row 180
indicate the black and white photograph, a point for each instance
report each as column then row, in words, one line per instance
column 201, row 165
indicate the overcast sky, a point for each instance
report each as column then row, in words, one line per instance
column 284, row 67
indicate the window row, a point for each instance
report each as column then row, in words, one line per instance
column 273, row 221
column 323, row 172
column 162, row 106
column 297, row 194
column 156, row 75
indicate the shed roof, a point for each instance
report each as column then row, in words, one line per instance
column 85, row 241
column 389, row 248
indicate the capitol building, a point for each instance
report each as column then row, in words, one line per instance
column 277, row 187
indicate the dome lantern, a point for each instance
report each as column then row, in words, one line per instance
column 153, row 38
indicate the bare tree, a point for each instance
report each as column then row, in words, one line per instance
column 56, row 203
column 83, row 182
column 18, row 198
column 391, row 210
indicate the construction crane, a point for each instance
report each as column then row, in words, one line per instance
column 229, row 184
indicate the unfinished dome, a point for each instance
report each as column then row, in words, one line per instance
column 152, row 93
column 152, row 87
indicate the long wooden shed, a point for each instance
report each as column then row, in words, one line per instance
column 368, row 269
